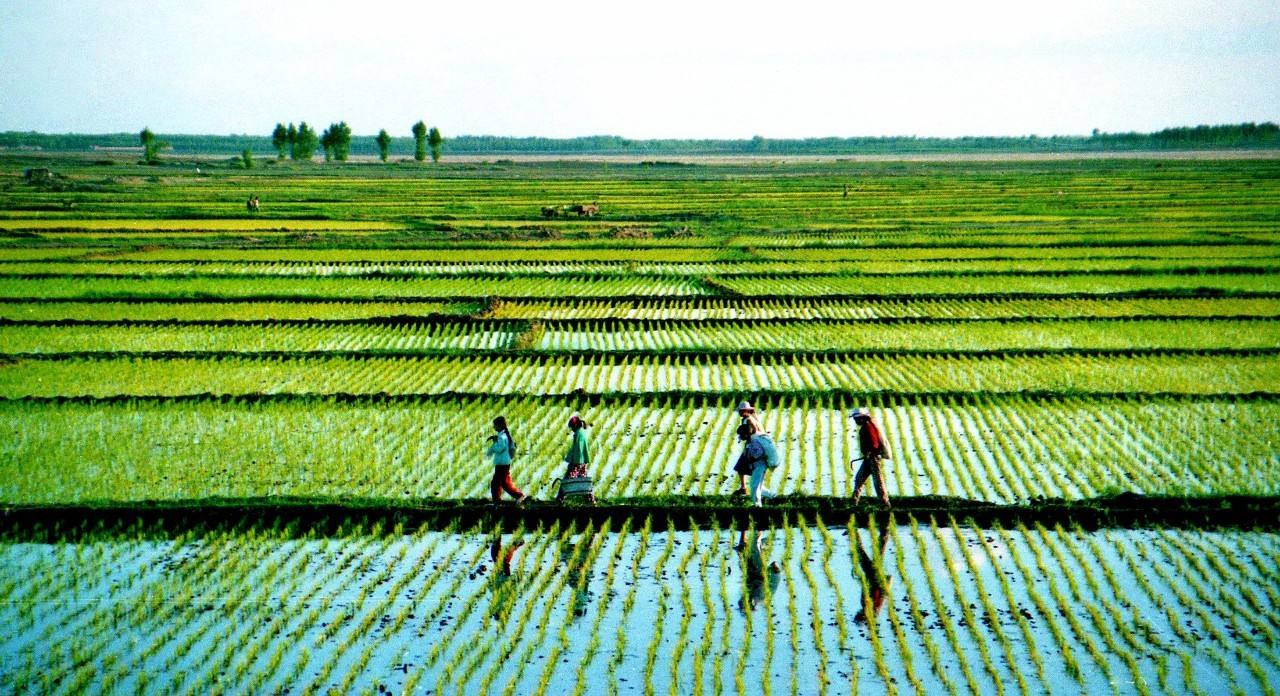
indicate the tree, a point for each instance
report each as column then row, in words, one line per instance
column 436, row 141
column 280, row 139
column 341, row 140
column 327, row 142
column 384, row 144
column 246, row 158
column 151, row 146
column 419, row 141
column 304, row 145
column 292, row 136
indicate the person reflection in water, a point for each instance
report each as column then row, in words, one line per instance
column 751, row 545
column 877, row 584
column 500, row 582
column 576, row 577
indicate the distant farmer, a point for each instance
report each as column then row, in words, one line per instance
column 749, row 417
column 846, row 191
column 874, row 451
column 577, row 480
column 502, row 448
column 759, row 456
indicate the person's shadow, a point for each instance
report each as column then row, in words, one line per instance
column 872, row 570
column 760, row 572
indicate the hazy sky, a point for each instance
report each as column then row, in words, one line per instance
column 785, row 68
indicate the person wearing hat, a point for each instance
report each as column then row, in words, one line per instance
column 749, row 418
column 874, row 450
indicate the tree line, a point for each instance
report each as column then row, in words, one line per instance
column 300, row 142
column 1233, row 136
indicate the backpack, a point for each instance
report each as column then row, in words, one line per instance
column 771, row 458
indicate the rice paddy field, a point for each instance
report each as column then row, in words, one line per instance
column 245, row 453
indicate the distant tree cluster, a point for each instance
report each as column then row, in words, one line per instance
column 301, row 141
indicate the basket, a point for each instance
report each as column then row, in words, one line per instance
column 578, row 487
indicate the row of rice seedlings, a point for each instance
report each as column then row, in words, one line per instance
column 198, row 310
column 1094, row 601
column 579, row 566
column 389, row 287
column 1226, row 560
column 660, row 615
column 1202, row 374
column 917, row 613
column 681, row 642
column 439, row 596
column 693, row 253
column 542, row 621
column 987, row 284
column 1011, row 605
column 969, row 619
column 968, row 335
column 584, row 675
column 1208, row 585
column 447, row 267
column 816, row 622
column 255, row 338
column 439, row 657
column 506, row 602
column 628, row 603
column 818, row 309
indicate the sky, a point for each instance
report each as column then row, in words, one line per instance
column 657, row 69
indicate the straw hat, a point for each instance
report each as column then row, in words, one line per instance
column 746, row 406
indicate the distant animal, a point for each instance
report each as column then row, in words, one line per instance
column 252, row 204
column 586, row 210
column 550, row 211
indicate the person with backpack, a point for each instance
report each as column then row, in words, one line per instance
column 749, row 417
column 759, row 456
column 874, row 451
column 502, row 448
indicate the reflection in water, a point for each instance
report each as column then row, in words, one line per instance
column 576, row 577
column 501, row 582
column 751, row 545
column 877, row 584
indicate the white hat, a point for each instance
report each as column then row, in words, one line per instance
column 862, row 412
column 746, row 406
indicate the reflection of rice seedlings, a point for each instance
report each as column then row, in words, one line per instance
column 593, row 645
column 793, row 612
column 620, row 639
column 1064, row 649
column 899, row 634
column 1083, row 636
column 686, row 604
column 1242, row 601
column 543, row 620
column 1219, row 602
column 1264, row 575
column 838, row 601
column 660, row 615
column 1099, row 594
column 582, row 558
column 815, row 612
column 970, row 620
column 1011, row 602
column 917, row 615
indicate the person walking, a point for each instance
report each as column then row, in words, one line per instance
column 758, row 456
column 874, row 452
column 502, row 448
column 578, row 458
column 749, row 417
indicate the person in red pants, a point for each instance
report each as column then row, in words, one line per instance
column 502, row 448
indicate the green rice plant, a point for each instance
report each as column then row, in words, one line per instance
column 970, row 620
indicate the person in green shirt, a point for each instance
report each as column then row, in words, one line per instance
column 579, row 455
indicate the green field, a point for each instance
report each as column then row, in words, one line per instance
column 1046, row 341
